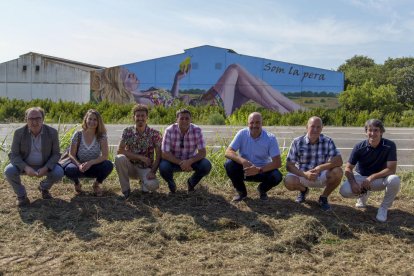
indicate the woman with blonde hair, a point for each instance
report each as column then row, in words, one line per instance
column 235, row 87
column 114, row 85
column 89, row 153
column 119, row 85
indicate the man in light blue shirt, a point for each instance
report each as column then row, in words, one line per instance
column 258, row 159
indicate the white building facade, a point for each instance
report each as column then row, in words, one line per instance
column 37, row 76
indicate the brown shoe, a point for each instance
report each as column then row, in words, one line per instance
column 239, row 197
column 78, row 189
column 22, row 201
column 97, row 189
column 45, row 193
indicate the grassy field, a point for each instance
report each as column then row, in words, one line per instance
column 308, row 102
column 313, row 102
column 201, row 233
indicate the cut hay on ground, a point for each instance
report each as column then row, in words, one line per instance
column 201, row 233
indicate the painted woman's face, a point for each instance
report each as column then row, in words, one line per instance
column 131, row 82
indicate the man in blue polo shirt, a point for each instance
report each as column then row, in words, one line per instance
column 376, row 162
column 258, row 159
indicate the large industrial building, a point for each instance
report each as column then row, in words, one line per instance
column 230, row 77
column 37, row 76
column 208, row 63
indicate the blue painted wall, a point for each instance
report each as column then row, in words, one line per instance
column 209, row 63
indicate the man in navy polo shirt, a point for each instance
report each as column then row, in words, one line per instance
column 376, row 162
column 258, row 159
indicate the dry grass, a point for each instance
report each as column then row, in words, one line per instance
column 201, row 233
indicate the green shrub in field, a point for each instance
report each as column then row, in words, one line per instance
column 12, row 110
column 65, row 112
column 115, row 113
column 407, row 118
column 239, row 116
column 65, row 136
column 4, row 150
column 216, row 119
column 283, row 155
column 217, row 159
column 200, row 114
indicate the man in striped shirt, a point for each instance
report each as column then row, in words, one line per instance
column 313, row 161
column 183, row 149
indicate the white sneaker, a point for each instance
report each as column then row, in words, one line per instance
column 382, row 214
column 362, row 201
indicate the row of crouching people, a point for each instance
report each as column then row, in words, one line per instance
column 313, row 161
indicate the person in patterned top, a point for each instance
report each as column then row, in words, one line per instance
column 313, row 161
column 89, row 152
column 183, row 149
column 139, row 153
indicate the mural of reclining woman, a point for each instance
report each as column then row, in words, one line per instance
column 119, row 85
column 237, row 86
column 233, row 89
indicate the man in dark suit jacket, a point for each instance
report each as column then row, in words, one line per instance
column 35, row 152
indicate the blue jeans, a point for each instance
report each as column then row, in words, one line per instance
column 13, row 173
column 201, row 168
column 235, row 172
column 99, row 171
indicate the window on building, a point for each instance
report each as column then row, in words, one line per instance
column 194, row 66
column 218, row 66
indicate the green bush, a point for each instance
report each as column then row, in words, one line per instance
column 12, row 110
column 65, row 136
column 216, row 119
column 70, row 112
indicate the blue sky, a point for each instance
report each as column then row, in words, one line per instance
column 319, row 33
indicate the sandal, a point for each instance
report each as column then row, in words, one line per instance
column 78, row 189
column 97, row 189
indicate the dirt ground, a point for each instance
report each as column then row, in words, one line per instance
column 202, row 233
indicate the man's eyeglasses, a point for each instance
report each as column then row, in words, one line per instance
column 182, row 142
column 35, row 119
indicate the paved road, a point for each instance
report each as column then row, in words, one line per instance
column 345, row 138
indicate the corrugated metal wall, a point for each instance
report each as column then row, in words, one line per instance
column 35, row 77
